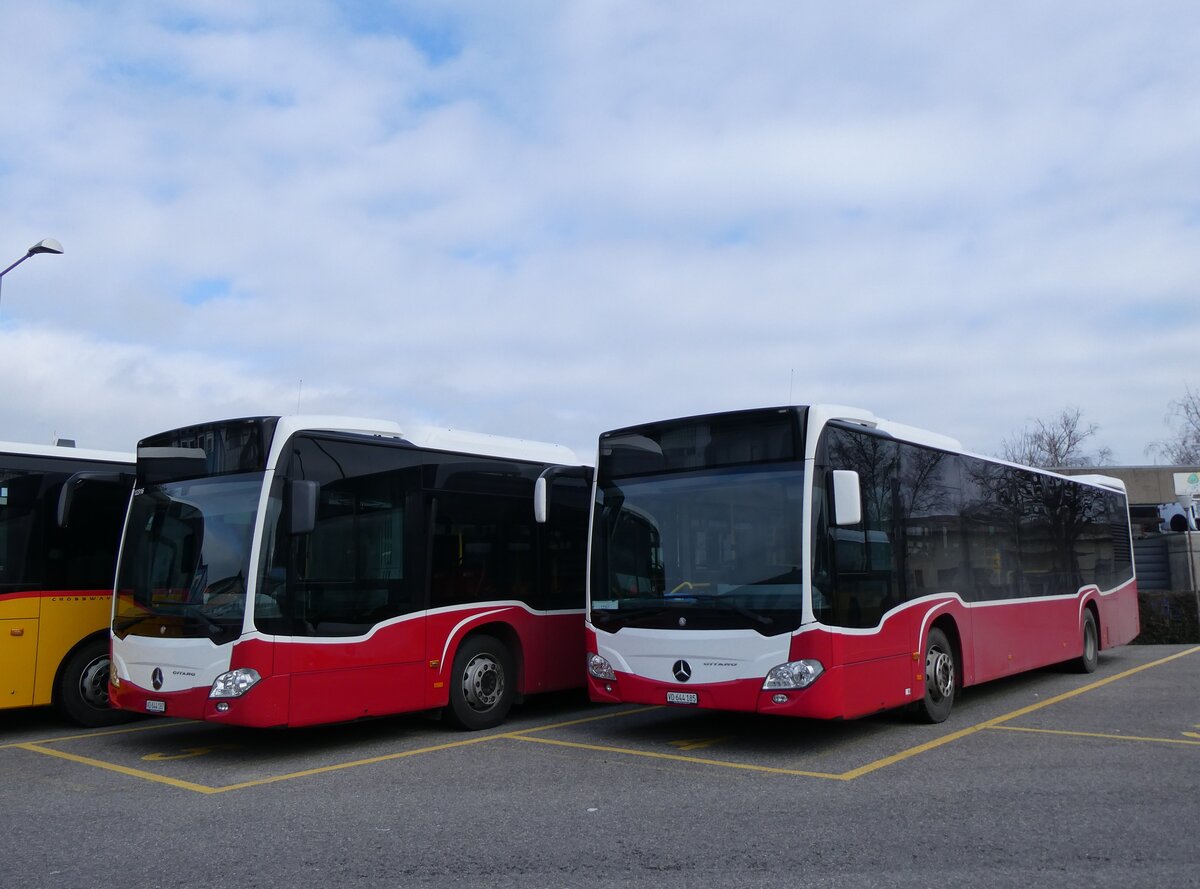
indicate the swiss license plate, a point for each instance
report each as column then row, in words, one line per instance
column 156, row 706
column 682, row 697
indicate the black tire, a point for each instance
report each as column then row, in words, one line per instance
column 941, row 679
column 482, row 684
column 81, row 694
column 1090, row 658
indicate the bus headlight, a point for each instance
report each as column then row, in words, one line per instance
column 599, row 667
column 234, row 684
column 793, row 674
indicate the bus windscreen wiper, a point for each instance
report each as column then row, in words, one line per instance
column 724, row 603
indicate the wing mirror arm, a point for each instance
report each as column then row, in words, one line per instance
column 541, row 488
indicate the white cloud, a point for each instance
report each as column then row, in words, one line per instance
column 547, row 220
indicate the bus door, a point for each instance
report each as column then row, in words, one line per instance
column 354, row 607
column 563, row 570
column 20, row 574
column 18, row 650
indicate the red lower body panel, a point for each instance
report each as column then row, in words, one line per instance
column 867, row 671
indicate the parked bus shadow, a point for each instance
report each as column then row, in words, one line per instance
column 565, row 715
column 700, row 733
column 30, row 722
column 316, row 746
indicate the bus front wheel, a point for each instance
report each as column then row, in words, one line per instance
column 941, row 679
column 82, row 692
column 1091, row 644
column 482, row 684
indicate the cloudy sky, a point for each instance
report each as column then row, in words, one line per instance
column 545, row 219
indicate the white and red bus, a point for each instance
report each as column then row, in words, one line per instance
column 822, row 562
column 288, row 571
column 61, row 510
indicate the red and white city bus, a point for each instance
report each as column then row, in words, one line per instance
column 822, row 562
column 288, row 571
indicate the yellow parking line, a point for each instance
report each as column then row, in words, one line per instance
column 519, row 734
column 320, row 770
column 1102, row 735
column 997, row 721
column 202, row 788
column 36, row 747
column 1090, row 687
column 886, row 761
column 528, row 735
column 79, row 737
column 695, row 760
column 114, row 767
column 628, row 711
column 911, row 752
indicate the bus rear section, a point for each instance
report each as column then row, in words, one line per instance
column 298, row 571
column 61, row 510
column 820, row 562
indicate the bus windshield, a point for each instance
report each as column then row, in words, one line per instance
column 185, row 559
column 713, row 549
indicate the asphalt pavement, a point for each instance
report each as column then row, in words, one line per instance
column 1051, row 778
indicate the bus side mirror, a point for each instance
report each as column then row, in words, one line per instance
column 541, row 500
column 541, row 488
column 66, row 496
column 847, row 498
column 304, row 506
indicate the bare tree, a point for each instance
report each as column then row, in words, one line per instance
column 1055, row 443
column 1184, row 446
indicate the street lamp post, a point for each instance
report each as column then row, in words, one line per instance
column 46, row 245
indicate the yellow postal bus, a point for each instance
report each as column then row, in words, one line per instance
column 61, row 511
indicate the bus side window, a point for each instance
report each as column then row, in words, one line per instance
column 822, row 573
column 865, row 584
column 562, row 553
column 929, row 506
column 351, row 570
column 482, row 548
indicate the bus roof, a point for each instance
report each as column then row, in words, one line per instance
column 433, row 437
column 64, row 452
column 1104, row 481
column 822, row 413
column 490, row 445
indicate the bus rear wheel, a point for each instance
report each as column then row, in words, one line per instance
column 82, row 692
column 941, row 679
column 482, row 684
column 1091, row 644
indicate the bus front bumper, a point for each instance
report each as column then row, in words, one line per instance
column 821, row 700
column 263, row 706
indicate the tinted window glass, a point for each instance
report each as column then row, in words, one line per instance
column 993, row 512
column 35, row 552
column 356, row 567
column 865, row 582
column 482, row 548
column 564, row 546
column 21, row 563
column 984, row 531
column 747, row 438
column 232, row 446
column 83, row 555
column 930, row 503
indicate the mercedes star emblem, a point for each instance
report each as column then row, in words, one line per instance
column 682, row 671
column 156, row 678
